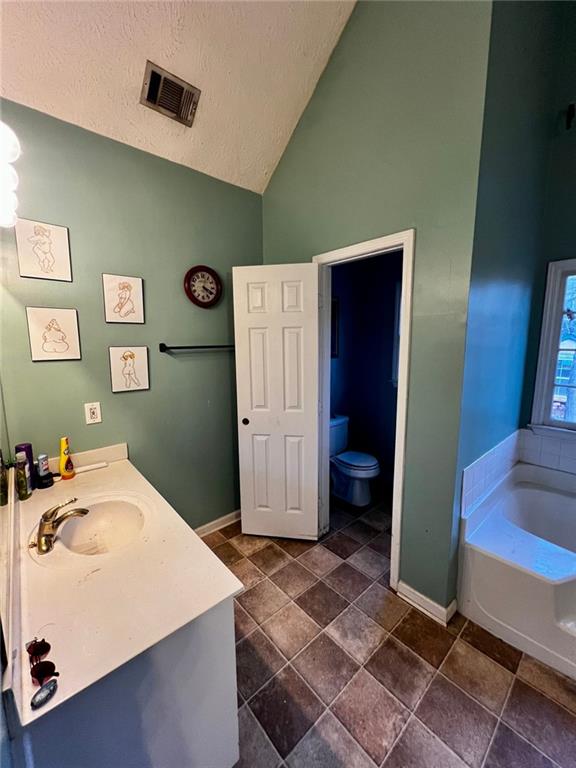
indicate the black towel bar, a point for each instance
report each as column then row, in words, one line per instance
column 168, row 348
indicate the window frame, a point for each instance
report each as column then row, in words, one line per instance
column 558, row 273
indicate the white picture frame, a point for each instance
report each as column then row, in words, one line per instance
column 129, row 368
column 53, row 334
column 43, row 250
column 123, row 299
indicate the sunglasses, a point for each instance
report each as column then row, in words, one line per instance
column 40, row 670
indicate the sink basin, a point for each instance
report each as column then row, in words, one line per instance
column 109, row 525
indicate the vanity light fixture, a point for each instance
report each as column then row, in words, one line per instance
column 9, row 153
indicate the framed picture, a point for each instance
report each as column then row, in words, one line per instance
column 43, row 250
column 129, row 368
column 53, row 333
column 123, row 299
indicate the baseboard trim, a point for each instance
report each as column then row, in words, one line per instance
column 220, row 522
column 436, row 611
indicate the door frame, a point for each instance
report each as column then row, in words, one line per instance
column 380, row 246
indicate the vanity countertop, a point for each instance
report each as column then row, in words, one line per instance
column 99, row 611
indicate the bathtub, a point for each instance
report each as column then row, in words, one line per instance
column 518, row 563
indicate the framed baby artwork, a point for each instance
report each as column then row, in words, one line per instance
column 123, row 299
column 129, row 368
column 53, row 334
column 43, row 250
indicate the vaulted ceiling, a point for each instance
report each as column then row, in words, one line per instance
column 256, row 63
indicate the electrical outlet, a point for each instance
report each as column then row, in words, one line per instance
column 93, row 413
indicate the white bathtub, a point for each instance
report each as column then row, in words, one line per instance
column 518, row 563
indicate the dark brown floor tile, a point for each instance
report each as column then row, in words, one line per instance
column 371, row 714
column 492, row 646
column 558, row 687
column 286, row 708
column 378, row 518
column 382, row 544
column 247, row 572
column 342, row 545
column 508, row 750
column 229, row 531
column 361, row 531
column 290, row 629
column 256, row 751
column 339, row 520
column 213, row 539
column 227, row 553
column 243, row 623
column 370, row 562
column 478, row 675
column 356, row 633
column 384, row 580
column 456, row 623
column 270, row 559
column 262, row 600
column 257, row 660
column 401, row 671
column 418, row 748
column 293, row 579
column 248, row 544
column 347, row 581
column 425, row 636
column 319, row 560
column 547, row 725
column 458, row 720
column 328, row 745
column 325, row 667
column 383, row 606
column 322, row 603
column 294, row 547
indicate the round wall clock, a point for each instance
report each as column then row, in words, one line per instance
column 203, row 286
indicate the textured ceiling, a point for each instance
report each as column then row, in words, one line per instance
column 256, row 63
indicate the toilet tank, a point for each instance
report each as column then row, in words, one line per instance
column 338, row 434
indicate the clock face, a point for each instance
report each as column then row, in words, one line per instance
column 203, row 286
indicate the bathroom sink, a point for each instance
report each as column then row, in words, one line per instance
column 109, row 525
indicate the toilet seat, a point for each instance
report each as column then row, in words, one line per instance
column 356, row 460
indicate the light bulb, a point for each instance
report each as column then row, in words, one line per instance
column 9, row 144
column 8, row 179
column 7, row 218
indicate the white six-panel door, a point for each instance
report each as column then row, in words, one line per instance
column 276, row 334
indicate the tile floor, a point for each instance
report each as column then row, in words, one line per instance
column 336, row 671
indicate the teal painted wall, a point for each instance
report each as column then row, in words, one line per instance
column 391, row 140
column 130, row 213
column 510, row 252
column 561, row 195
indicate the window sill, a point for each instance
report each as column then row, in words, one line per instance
column 545, row 431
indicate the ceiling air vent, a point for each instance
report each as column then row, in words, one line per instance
column 169, row 95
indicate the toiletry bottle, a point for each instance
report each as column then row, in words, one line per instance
column 66, row 466
column 3, row 482
column 27, row 449
column 44, row 477
column 22, row 477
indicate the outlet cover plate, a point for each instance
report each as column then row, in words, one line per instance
column 93, row 413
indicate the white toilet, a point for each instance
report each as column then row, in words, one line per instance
column 350, row 471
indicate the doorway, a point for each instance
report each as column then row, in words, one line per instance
column 282, row 327
column 373, row 371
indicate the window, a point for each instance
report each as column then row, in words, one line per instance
column 555, row 394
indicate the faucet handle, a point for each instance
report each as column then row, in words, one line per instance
column 50, row 514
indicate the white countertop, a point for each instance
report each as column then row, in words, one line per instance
column 99, row 611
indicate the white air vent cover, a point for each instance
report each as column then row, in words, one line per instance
column 169, row 95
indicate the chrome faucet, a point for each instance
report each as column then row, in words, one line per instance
column 49, row 524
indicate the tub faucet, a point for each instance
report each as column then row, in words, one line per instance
column 49, row 524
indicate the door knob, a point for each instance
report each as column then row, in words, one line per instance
column 245, row 421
